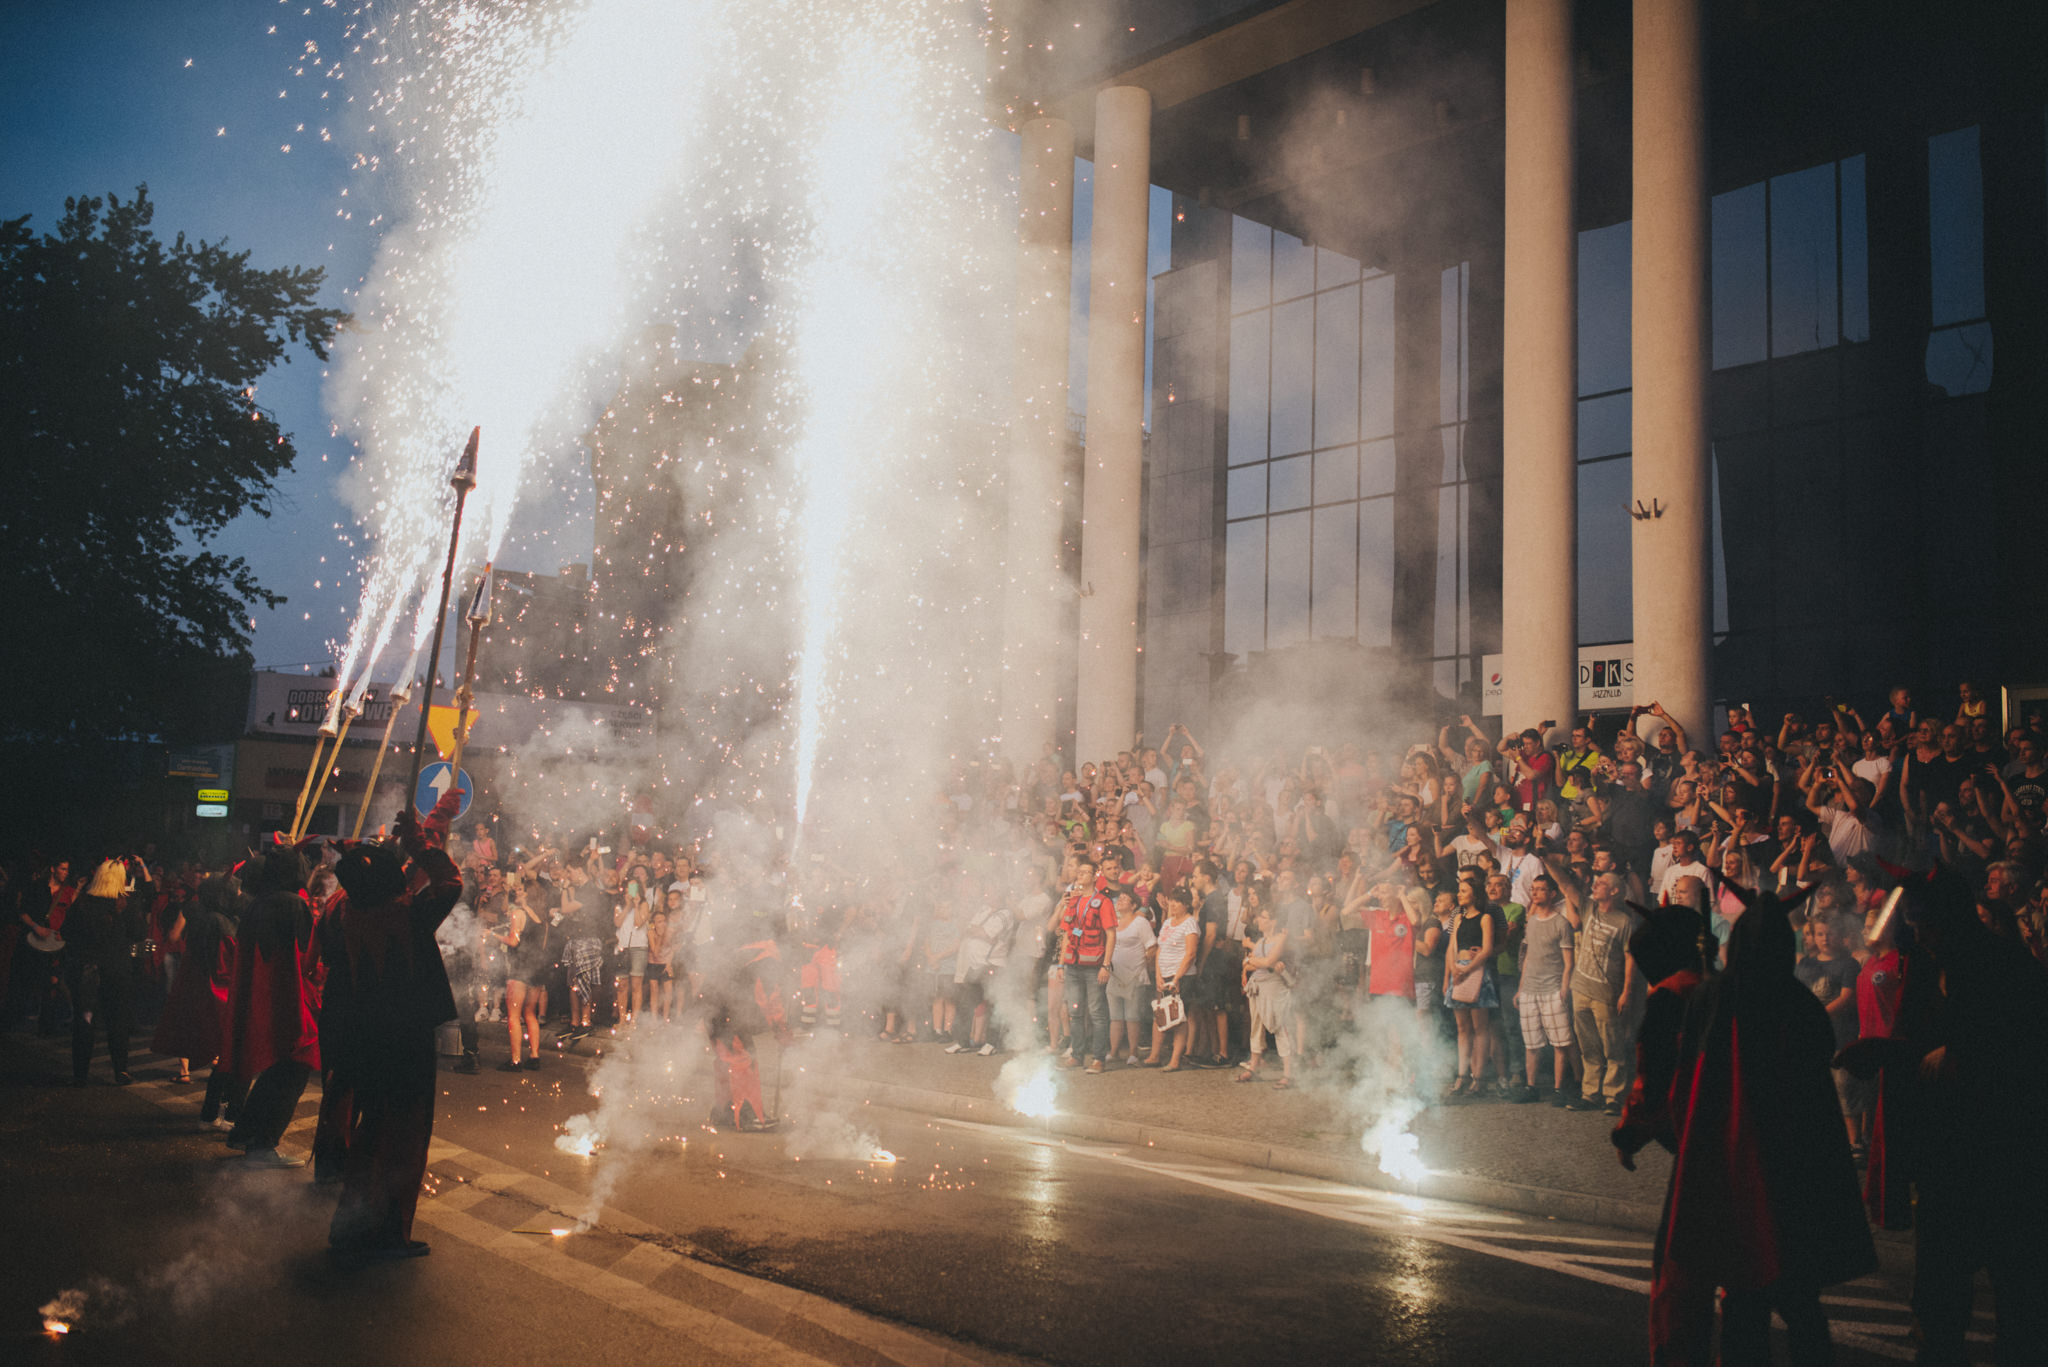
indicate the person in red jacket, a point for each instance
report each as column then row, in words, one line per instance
column 272, row 1040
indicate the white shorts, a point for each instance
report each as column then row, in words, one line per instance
column 1545, row 1020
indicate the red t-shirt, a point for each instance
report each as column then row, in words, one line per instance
column 1530, row 791
column 1085, row 924
column 1393, row 953
column 1878, row 988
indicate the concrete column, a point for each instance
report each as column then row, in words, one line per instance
column 1032, row 659
column 1673, row 572
column 1107, row 697
column 1539, row 377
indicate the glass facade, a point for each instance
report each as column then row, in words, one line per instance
column 1309, row 522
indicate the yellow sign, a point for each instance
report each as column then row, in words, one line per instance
column 213, row 795
column 441, row 726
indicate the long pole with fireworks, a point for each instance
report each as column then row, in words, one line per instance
column 350, row 710
column 327, row 725
column 479, row 617
column 401, row 693
column 463, row 480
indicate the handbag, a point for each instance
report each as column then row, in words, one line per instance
column 1466, row 989
column 1168, row 1011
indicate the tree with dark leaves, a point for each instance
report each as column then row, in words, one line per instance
column 129, row 437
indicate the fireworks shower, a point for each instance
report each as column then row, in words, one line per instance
column 599, row 188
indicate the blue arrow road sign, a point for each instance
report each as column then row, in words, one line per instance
column 435, row 780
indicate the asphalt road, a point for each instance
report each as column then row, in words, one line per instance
column 976, row 1243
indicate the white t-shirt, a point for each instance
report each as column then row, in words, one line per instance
column 1674, row 872
column 1177, row 940
column 1131, row 943
column 1848, row 835
column 1470, row 849
column 1872, row 771
column 1521, row 870
column 630, row 935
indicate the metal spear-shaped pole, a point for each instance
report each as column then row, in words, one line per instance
column 400, row 694
column 464, row 479
column 479, row 617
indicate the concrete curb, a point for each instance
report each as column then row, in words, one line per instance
column 1543, row 1202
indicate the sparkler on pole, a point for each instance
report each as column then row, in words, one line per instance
column 463, row 480
column 350, row 710
column 401, row 693
column 479, row 617
column 313, row 764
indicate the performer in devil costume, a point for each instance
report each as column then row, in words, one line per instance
column 385, row 1005
column 1763, row 1202
column 272, row 1040
column 190, row 1027
column 1963, row 1052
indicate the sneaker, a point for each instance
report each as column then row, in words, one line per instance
column 1612, row 1108
column 468, row 1064
column 532, row 1064
column 986, row 1050
column 956, row 1048
column 124, row 1079
column 483, row 1013
column 1582, row 1103
column 1094, row 1065
column 1131, row 1062
column 271, row 1158
column 1560, row 1100
column 1069, row 1061
column 508, row 1066
column 1523, row 1095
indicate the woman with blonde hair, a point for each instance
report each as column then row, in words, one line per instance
column 100, row 937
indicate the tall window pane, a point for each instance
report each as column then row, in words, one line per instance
column 1337, row 367
column 1955, row 225
column 1804, row 301
column 1294, row 267
column 1376, row 573
column 1450, row 524
column 1855, row 255
column 1738, row 271
column 1335, row 606
column 1248, row 379
column 1603, row 309
column 1376, row 357
column 1606, row 597
column 1251, row 264
column 1293, row 375
column 1604, row 425
column 1244, row 587
column 1453, row 381
column 1287, row 580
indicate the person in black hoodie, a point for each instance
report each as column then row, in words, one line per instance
column 387, row 993
column 101, row 938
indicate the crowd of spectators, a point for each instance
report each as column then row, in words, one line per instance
column 1168, row 908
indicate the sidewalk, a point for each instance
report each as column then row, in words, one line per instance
column 1533, row 1159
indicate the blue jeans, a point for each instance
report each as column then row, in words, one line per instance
column 1086, row 993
